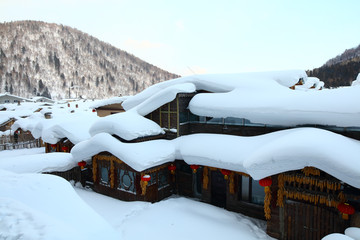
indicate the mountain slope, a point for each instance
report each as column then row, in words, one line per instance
column 38, row 58
column 340, row 70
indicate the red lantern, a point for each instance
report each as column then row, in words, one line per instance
column 265, row 182
column 194, row 167
column 145, row 178
column 82, row 164
column 346, row 210
column 53, row 147
column 172, row 168
column 225, row 172
column 65, row 149
column 94, row 110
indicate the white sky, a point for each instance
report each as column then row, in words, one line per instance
column 208, row 36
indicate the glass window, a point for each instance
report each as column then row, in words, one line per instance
column 245, row 190
column 184, row 117
column 104, row 176
column 126, row 180
column 163, row 178
column 153, row 179
column 234, row 121
column 257, row 193
column 193, row 117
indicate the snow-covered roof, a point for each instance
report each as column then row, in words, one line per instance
column 66, row 122
column 259, row 156
column 13, row 96
column 264, row 98
column 131, row 124
column 224, row 83
column 283, row 107
column 105, row 102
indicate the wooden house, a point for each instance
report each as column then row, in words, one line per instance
column 63, row 145
column 115, row 178
column 106, row 110
column 108, row 106
column 310, row 204
column 303, row 204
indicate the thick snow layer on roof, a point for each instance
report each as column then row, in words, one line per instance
column 42, row 206
column 127, row 125
column 76, row 129
column 224, row 83
column 64, row 124
column 105, row 102
column 139, row 156
column 38, row 163
column 131, row 124
column 283, row 107
column 259, row 156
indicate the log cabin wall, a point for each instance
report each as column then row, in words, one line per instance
column 306, row 205
column 237, row 192
column 114, row 178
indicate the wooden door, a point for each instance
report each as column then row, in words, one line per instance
column 305, row 221
column 218, row 189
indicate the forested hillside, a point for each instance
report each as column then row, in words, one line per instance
column 57, row 61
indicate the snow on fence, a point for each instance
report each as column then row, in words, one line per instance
column 28, row 144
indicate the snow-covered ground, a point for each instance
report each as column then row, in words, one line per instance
column 41, row 206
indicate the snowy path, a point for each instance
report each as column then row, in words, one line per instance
column 175, row 218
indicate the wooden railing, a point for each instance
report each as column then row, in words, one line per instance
column 19, row 145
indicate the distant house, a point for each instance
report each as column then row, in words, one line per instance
column 42, row 99
column 8, row 98
column 108, row 106
column 237, row 142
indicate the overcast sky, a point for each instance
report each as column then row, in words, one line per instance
column 196, row 36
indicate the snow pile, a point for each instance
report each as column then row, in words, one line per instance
column 337, row 236
column 356, row 82
column 36, row 206
column 37, row 163
column 131, row 124
column 181, row 218
column 259, row 156
column 177, row 218
column 351, row 233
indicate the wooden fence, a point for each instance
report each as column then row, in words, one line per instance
column 20, row 145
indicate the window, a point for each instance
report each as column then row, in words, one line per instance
column 104, row 176
column 126, row 180
column 153, row 178
column 163, row 178
column 258, row 193
column 251, row 191
column 7, row 101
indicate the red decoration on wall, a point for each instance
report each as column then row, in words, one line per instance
column 225, row 172
column 146, row 178
column 346, row 210
column 265, row 182
column 82, row 164
column 65, row 149
column 172, row 168
column 194, row 167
